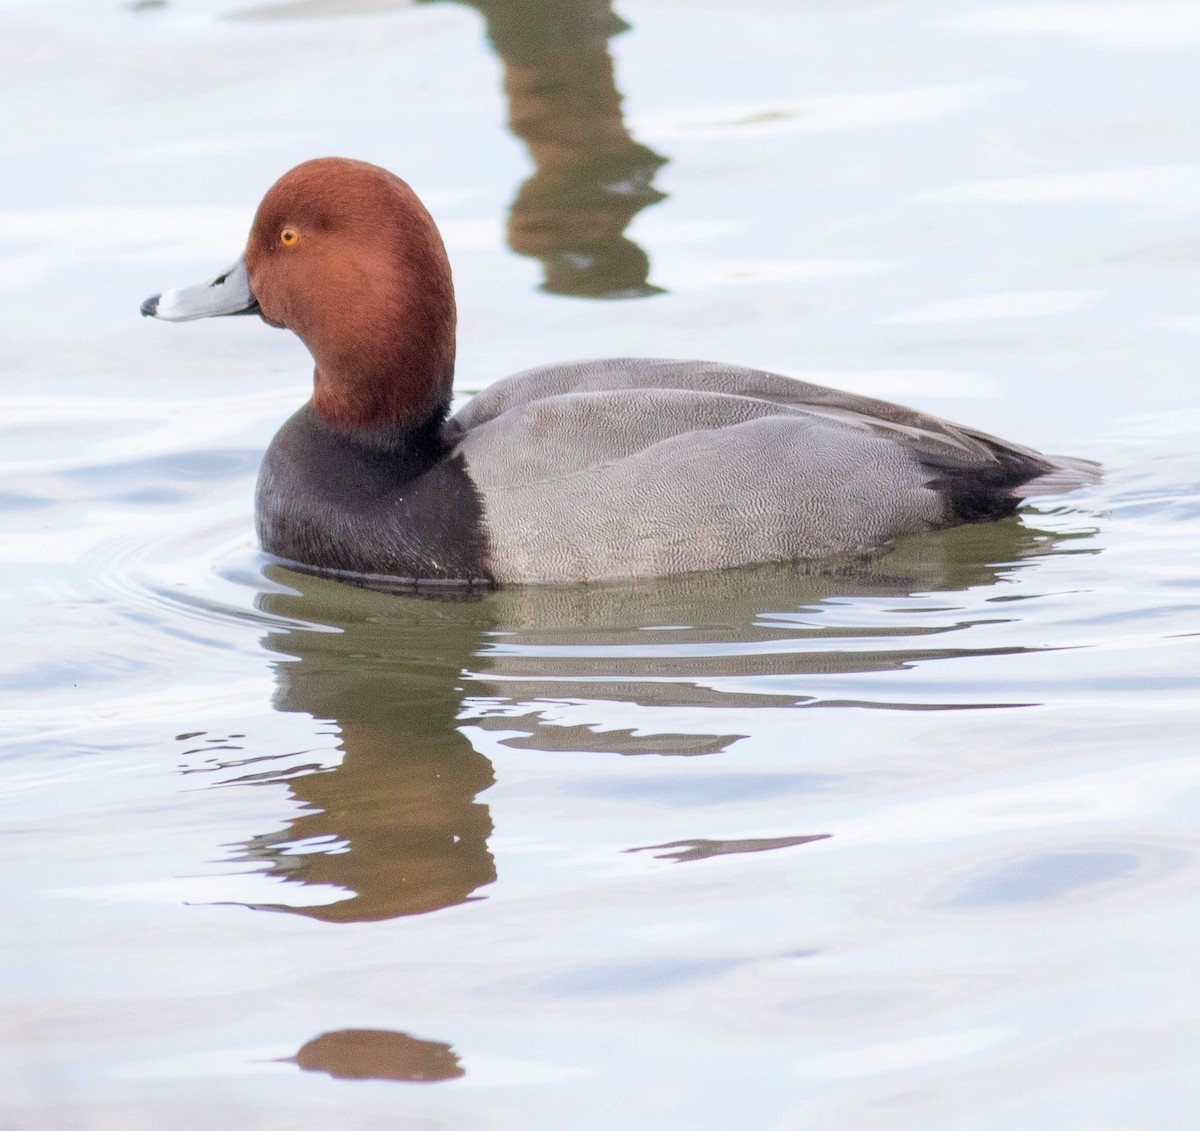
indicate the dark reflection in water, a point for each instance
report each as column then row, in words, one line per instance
column 681, row 851
column 397, row 821
column 590, row 177
column 399, row 825
column 379, row 1054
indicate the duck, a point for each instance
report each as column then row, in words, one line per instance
column 572, row 472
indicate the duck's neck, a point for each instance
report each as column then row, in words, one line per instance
column 388, row 397
column 385, row 363
column 401, row 441
column 384, row 395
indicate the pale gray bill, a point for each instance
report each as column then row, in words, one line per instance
column 228, row 293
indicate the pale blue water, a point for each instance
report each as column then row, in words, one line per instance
column 904, row 850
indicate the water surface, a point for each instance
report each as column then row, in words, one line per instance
column 912, row 846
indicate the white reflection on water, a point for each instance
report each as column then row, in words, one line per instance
column 824, row 112
column 1146, row 25
column 205, row 148
column 895, row 1056
column 1028, row 304
column 1174, row 189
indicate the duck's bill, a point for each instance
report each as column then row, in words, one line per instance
column 228, row 293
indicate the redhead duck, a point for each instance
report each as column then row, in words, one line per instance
column 572, row 472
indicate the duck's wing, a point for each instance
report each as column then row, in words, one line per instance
column 964, row 460
column 655, row 478
column 774, row 487
column 612, row 374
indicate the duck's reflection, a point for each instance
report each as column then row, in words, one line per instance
column 590, row 177
column 400, row 827
column 379, row 1054
column 396, row 824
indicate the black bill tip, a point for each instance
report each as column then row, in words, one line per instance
column 150, row 306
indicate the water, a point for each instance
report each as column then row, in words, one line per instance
column 909, row 848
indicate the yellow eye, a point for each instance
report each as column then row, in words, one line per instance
column 289, row 236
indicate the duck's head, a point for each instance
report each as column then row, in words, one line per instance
column 345, row 255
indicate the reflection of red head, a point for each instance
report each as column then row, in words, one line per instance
column 396, row 825
column 379, row 1054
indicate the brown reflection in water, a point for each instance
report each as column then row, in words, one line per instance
column 590, row 178
column 400, row 826
column 406, row 833
column 582, row 738
column 397, row 823
column 379, row 1054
